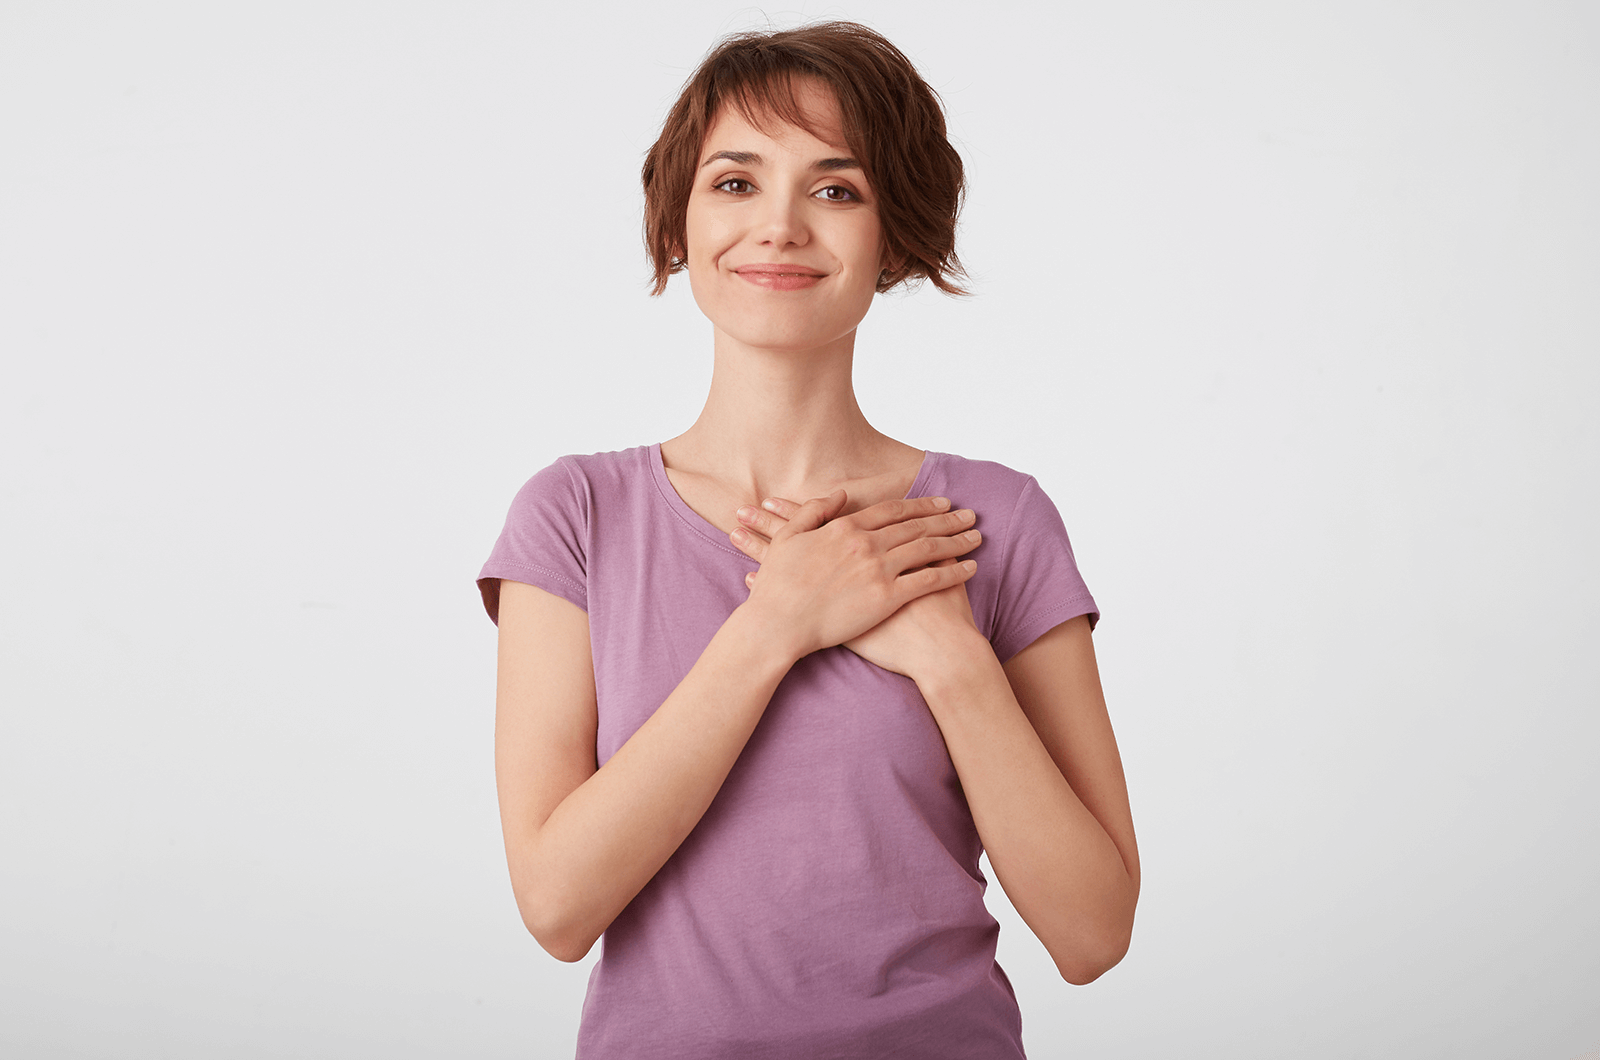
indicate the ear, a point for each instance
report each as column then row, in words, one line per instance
column 890, row 260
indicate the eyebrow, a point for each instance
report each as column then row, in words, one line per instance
column 750, row 158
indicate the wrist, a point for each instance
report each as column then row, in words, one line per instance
column 768, row 640
column 962, row 659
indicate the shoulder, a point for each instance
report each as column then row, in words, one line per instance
column 1028, row 578
column 555, row 520
column 576, row 480
column 995, row 490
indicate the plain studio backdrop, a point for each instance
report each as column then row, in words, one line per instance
column 1291, row 307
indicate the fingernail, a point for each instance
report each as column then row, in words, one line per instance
column 969, row 565
column 741, row 535
column 971, row 535
column 770, row 505
column 941, row 503
column 746, row 512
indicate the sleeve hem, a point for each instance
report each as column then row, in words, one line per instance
column 550, row 581
column 1043, row 622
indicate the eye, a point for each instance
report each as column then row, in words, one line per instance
column 837, row 193
column 734, row 186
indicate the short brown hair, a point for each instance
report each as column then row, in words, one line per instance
column 893, row 123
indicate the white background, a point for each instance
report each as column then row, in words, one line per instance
column 1292, row 307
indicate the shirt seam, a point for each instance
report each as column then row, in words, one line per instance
column 534, row 568
column 1082, row 600
column 698, row 531
column 1005, row 557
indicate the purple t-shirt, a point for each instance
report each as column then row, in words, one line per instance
column 829, row 903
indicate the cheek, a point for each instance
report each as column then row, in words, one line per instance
column 707, row 235
column 874, row 245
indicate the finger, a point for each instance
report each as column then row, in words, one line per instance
column 885, row 513
column 944, row 525
column 813, row 513
column 917, row 583
column 751, row 544
column 836, row 502
column 763, row 523
column 926, row 550
column 783, row 509
column 750, row 580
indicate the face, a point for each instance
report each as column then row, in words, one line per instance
column 784, row 240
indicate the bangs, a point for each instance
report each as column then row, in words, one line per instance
column 768, row 99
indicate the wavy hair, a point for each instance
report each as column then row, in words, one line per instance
column 893, row 123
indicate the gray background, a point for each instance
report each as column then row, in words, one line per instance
column 1290, row 306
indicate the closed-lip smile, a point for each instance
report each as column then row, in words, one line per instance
column 779, row 276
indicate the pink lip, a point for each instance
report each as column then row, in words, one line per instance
column 779, row 277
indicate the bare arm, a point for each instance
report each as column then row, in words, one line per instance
column 582, row 841
column 1033, row 745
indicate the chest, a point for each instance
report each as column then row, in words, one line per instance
column 716, row 502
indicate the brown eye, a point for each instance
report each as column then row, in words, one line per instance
column 835, row 193
column 734, row 186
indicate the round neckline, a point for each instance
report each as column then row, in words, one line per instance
column 704, row 528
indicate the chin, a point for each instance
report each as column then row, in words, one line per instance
column 796, row 336
column 796, row 327
column 782, row 343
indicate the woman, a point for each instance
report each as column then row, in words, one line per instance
column 759, row 744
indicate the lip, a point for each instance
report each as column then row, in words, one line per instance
column 778, row 276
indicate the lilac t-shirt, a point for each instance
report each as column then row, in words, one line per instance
column 829, row 903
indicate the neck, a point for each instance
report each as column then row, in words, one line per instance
column 783, row 422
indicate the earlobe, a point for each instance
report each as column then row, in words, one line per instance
column 892, row 268
column 891, row 263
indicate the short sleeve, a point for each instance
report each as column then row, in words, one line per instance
column 545, row 540
column 1040, row 586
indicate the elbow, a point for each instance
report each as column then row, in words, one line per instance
column 1101, row 943
column 568, row 954
column 1080, row 976
column 562, row 948
column 555, row 933
column 1090, row 960
column 561, row 925
column 1083, row 971
column 1080, row 971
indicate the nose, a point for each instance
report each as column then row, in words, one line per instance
column 782, row 220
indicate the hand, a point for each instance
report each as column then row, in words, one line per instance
column 916, row 636
column 826, row 581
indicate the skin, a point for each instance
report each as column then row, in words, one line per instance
column 854, row 565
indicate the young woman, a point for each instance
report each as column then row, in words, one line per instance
column 758, row 741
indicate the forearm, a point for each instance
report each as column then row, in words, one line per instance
column 1057, row 864
column 577, row 871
